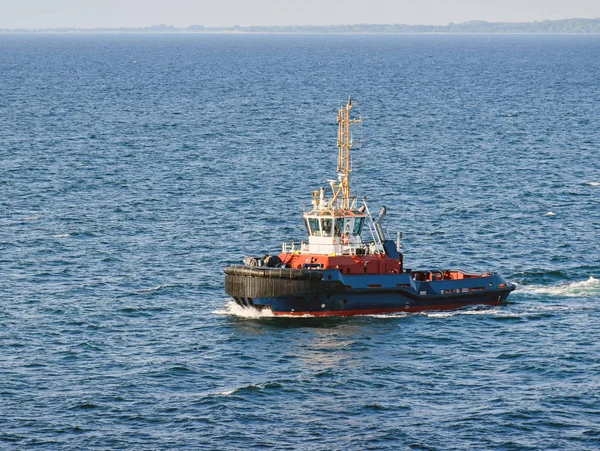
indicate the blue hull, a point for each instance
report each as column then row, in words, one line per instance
column 346, row 295
column 366, row 304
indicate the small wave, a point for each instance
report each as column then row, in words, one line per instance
column 375, row 406
column 157, row 288
column 250, row 388
column 85, row 406
column 62, row 235
column 592, row 183
column 244, row 312
column 142, row 310
column 583, row 288
column 181, row 369
column 226, row 393
column 538, row 275
column 559, row 308
column 436, row 232
column 550, row 213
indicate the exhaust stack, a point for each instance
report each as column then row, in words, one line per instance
column 378, row 226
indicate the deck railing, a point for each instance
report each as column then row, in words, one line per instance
column 289, row 247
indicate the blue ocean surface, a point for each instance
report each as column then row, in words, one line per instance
column 133, row 168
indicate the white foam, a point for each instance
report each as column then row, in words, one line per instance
column 231, row 308
column 62, row 235
column 389, row 315
column 558, row 308
column 246, row 387
column 446, row 314
column 226, row 393
column 584, row 288
column 593, row 183
column 550, row 213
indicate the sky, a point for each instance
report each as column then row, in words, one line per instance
column 182, row 13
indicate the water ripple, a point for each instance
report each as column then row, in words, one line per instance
column 135, row 167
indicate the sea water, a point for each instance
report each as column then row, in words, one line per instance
column 134, row 167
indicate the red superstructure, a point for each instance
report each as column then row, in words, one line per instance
column 347, row 264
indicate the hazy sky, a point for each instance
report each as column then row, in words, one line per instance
column 124, row 13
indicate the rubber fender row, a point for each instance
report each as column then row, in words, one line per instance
column 272, row 273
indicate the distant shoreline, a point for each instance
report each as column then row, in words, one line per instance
column 279, row 33
column 563, row 26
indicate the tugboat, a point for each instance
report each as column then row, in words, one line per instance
column 337, row 273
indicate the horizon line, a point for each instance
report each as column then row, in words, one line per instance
column 199, row 27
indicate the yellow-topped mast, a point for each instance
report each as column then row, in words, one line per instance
column 344, row 164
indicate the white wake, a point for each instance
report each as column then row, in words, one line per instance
column 588, row 287
column 231, row 308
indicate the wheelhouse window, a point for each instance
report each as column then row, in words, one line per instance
column 313, row 224
column 326, row 224
column 358, row 225
column 338, row 226
column 348, row 225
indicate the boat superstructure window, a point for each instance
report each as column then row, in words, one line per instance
column 348, row 225
column 358, row 225
column 313, row 224
column 338, row 227
column 326, row 224
column 331, row 226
